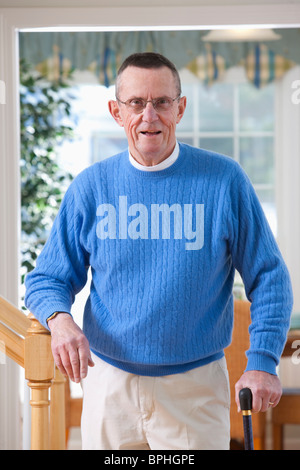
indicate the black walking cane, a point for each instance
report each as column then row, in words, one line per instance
column 245, row 397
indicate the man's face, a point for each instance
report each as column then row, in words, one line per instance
column 151, row 133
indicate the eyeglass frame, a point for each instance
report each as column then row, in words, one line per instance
column 145, row 102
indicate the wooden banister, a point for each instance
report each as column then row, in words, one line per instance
column 58, row 412
column 14, row 345
column 28, row 343
column 13, row 317
column 73, row 409
column 39, row 371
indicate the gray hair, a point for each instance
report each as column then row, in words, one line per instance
column 148, row 60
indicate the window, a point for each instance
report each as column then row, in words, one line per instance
column 233, row 118
column 236, row 119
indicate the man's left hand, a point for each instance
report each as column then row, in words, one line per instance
column 266, row 389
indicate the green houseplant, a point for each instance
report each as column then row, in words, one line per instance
column 45, row 110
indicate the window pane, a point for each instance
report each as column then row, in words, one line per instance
column 187, row 122
column 267, row 200
column 222, row 145
column 256, row 108
column 91, row 106
column 187, row 140
column 266, row 196
column 104, row 147
column 216, row 108
column 257, row 158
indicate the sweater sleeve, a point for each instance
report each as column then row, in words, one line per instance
column 61, row 268
column 267, row 283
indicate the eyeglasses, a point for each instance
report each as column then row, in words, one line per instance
column 137, row 105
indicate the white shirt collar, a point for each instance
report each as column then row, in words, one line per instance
column 160, row 166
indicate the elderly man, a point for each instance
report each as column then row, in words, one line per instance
column 163, row 227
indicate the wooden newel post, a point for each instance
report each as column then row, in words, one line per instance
column 39, row 371
column 58, row 412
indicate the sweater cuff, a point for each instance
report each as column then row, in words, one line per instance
column 44, row 313
column 55, row 314
column 261, row 362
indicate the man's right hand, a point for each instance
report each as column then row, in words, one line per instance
column 70, row 347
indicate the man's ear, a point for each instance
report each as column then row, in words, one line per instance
column 115, row 112
column 181, row 109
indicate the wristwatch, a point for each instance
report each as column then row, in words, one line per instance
column 54, row 315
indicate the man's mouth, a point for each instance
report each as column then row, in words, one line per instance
column 150, row 133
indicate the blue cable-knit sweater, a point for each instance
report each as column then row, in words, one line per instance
column 163, row 247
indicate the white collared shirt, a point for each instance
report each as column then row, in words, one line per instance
column 160, row 166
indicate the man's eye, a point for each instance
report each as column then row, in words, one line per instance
column 162, row 101
column 136, row 103
column 163, row 104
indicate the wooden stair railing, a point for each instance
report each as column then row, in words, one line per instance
column 28, row 343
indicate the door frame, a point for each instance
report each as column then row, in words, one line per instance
column 12, row 20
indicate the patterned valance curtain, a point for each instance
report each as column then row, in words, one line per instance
column 55, row 54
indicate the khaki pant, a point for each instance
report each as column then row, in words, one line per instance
column 123, row 411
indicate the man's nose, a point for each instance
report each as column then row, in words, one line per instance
column 149, row 113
